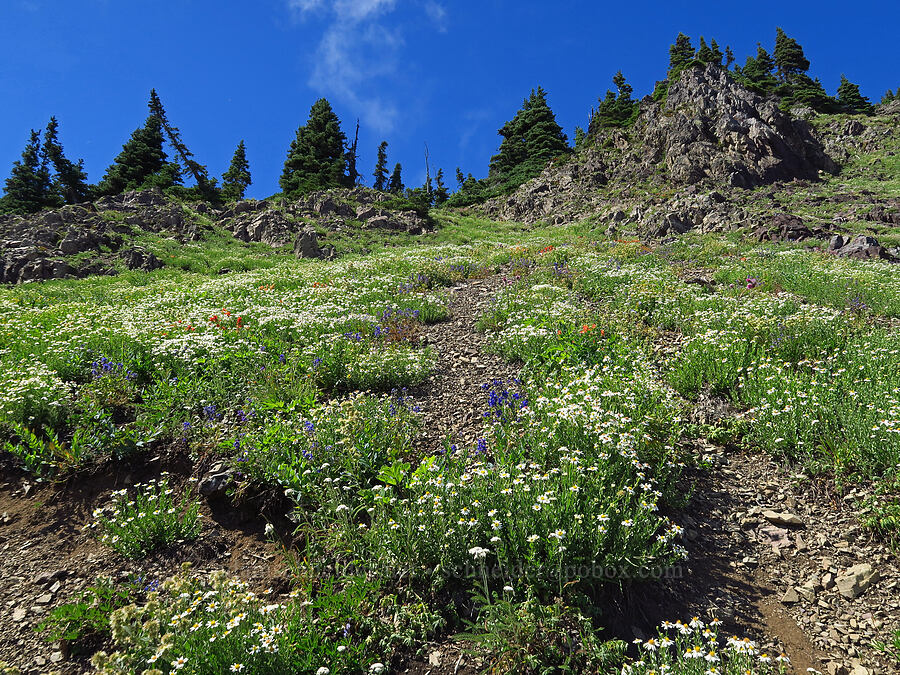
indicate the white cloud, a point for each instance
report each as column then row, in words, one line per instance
column 437, row 14
column 357, row 52
column 304, row 6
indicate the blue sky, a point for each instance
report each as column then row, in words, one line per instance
column 447, row 73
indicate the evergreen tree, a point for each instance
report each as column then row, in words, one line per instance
column 460, row 178
column 809, row 92
column 729, row 57
column 681, row 55
column 441, row 193
column 352, row 173
column 237, row 178
column 395, row 186
column 142, row 162
column 789, row 58
column 530, row 140
column 70, row 180
column 705, row 54
column 615, row 111
column 188, row 163
column 381, row 174
column 716, row 54
column 28, row 188
column 579, row 138
column 316, row 159
column 890, row 96
column 756, row 74
column 850, row 100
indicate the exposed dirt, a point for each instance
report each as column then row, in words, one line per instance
column 46, row 557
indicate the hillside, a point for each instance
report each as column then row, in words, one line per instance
column 640, row 415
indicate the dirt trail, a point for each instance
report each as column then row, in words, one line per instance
column 452, row 400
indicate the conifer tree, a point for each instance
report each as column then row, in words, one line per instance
column 236, row 180
column 142, row 162
column 395, row 186
column 460, row 178
column 804, row 90
column 188, row 163
column 579, row 138
column 705, row 53
column 850, row 100
column 70, row 180
column 440, row 190
column 715, row 53
column 789, row 59
column 890, row 96
column 316, row 159
column 615, row 110
column 729, row 57
column 756, row 74
column 352, row 173
column 28, row 188
column 381, row 173
column 681, row 55
column 530, row 140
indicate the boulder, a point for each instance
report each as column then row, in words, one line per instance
column 862, row 247
column 307, row 244
column 854, row 128
column 269, row 227
column 140, row 259
column 214, row 485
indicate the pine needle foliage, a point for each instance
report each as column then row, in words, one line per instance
column 316, row 159
column 237, row 179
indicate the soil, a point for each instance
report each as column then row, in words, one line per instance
column 739, row 568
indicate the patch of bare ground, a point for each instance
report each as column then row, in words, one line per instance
column 47, row 558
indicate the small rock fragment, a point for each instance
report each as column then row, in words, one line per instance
column 782, row 518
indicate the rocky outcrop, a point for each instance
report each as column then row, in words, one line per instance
column 85, row 239
column 559, row 194
column 788, row 227
column 710, row 134
column 264, row 225
column 710, row 127
column 139, row 259
column 861, row 247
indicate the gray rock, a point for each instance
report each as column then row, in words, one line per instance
column 266, row 226
column 783, row 519
column 307, row 244
column 856, row 580
column 215, row 483
column 863, row 247
column 140, row 259
column 790, row 597
column 854, row 128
